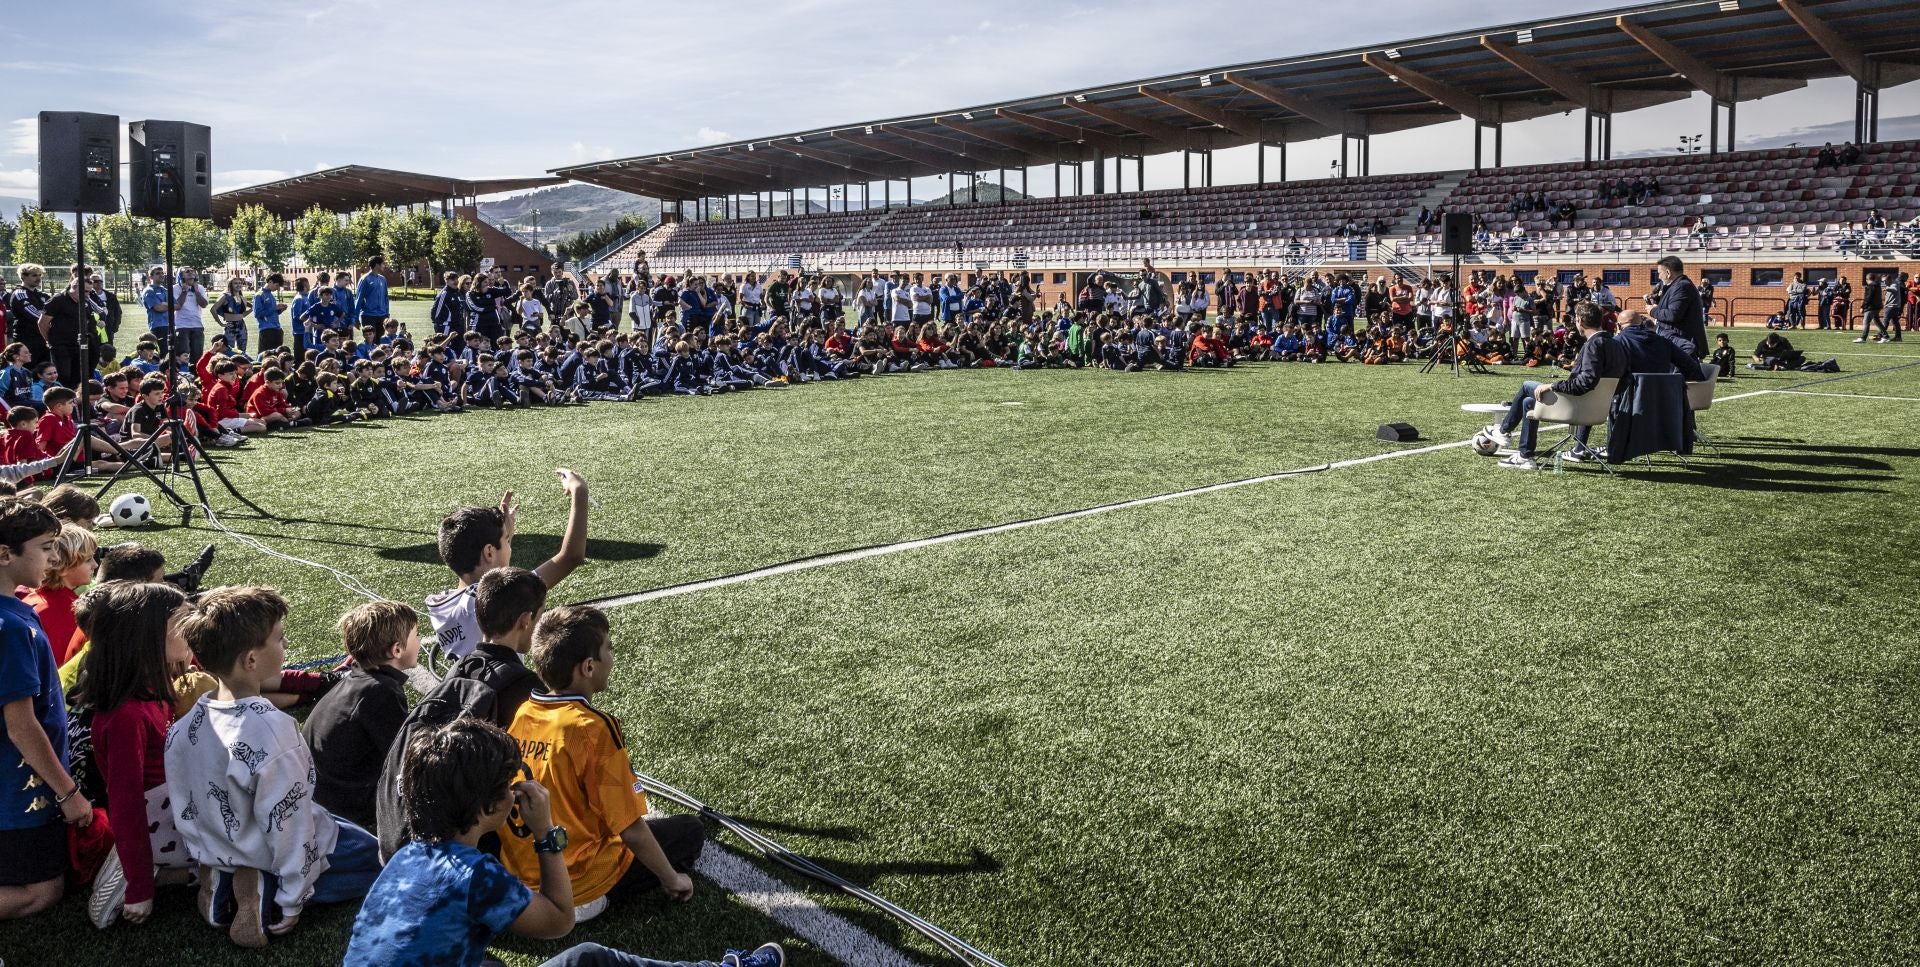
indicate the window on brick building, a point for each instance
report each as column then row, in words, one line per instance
column 1717, row 276
column 1817, row 276
column 1616, row 276
column 1766, row 277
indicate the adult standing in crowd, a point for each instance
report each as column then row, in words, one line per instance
column 449, row 313
column 67, row 315
column 189, row 327
column 106, row 302
column 1675, row 305
column 232, row 310
column 266, row 313
column 372, row 295
column 24, row 308
column 562, row 291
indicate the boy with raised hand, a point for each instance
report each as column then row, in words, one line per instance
column 241, row 781
column 579, row 753
column 38, row 797
column 442, row 899
column 353, row 725
column 476, row 540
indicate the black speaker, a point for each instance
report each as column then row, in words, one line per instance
column 1456, row 234
column 172, row 169
column 1397, row 433
column 79, row 162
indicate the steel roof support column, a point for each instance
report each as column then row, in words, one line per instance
column 1866, row 115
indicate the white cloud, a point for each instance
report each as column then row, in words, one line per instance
column 23, row 136
column 708, row 135
column 19, row 183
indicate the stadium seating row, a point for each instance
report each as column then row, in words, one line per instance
column 1771, row 200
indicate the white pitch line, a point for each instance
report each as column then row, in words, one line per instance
column 832, row 933
column 1846, row 396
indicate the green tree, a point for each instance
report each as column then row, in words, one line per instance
column 6, row 241
column 42, row 239
column 407, row 240
column 122, row 243
column 457, row 246
column 368, row 226
column 200, row 245
column 260, row 239
column 329, row 244
column 309, row 224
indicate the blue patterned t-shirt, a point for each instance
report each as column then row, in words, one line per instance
column 435, row 903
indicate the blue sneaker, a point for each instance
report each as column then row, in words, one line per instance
column 765, row 955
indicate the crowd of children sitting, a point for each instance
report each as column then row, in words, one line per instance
column 496, row 346
column 149, row 755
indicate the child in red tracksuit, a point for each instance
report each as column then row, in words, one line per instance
column 268, row 402
column 223, row 407
column 20, row 445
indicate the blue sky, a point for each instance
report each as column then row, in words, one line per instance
column 485, row 88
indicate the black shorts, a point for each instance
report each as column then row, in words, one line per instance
column 366, row 320
column 34, row 855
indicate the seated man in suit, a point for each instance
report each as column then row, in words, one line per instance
column 1650, row 352
column 1601, row 357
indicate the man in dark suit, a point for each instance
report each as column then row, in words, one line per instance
column 1675, row 307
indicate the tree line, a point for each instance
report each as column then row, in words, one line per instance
column 256, row 238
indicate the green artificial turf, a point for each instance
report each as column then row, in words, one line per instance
column 1416, row 711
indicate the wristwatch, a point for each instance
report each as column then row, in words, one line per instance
column 553, row 842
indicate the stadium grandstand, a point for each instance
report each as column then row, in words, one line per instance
column 1726, row 205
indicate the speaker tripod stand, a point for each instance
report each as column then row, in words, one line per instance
column 183, row 446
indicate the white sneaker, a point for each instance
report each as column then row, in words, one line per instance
column 590, row 909
column 949, row 364
column 1882, row 339
column 921, row 367
column 109, row 892
column 1497, row 435
column 1861, row 339
column 1518, row 462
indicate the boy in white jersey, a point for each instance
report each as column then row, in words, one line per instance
column 475, row 540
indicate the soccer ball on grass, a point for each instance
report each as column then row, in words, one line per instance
column 130, row 510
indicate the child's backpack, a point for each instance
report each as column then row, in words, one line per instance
column 472, row 688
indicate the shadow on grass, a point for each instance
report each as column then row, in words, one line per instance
column 863, row 873
column 1752, row 477
column 530, row 548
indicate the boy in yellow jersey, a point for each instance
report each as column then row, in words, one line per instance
column 580, row 755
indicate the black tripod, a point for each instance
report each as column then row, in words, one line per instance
column 184, row 447
column 86, row 433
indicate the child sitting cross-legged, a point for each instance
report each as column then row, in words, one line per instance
column 442, row 900
column 578, row 752
column 354, row 724
column 241, row 782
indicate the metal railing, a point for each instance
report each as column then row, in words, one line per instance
column 614, row 246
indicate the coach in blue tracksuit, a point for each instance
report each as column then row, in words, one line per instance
column 266, row 313
column 372, row 295
column 450, row 307
column 1344, row 300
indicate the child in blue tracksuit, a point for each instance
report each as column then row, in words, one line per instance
column 343, row 297
column 683, row 374
column 16, row 383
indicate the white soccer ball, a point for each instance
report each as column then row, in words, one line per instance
column 1485, row 445
column 130, row 510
